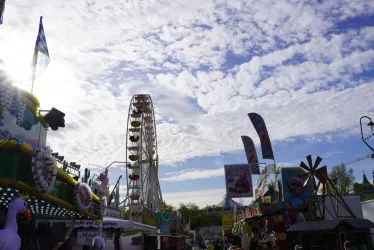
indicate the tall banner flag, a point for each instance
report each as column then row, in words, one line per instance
column 40, row 59
column 238, row 181
column 250, row 152
column 259, row 124
column 2, row 8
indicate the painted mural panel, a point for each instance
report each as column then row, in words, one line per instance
column 295, row 191
column 149, row 217
column 167, row 222
column 238, row 181
column 18, row 119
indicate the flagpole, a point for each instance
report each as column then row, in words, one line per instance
column 35, row 57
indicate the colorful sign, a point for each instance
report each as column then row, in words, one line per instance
column 250, row 152
column 167, row 222
column 295, row 190
column 93, row 223
column 259, row 125
column 149, row 217
column 238, row 181
column 11, row 128
column 227, row 220
column 86, row 237
column 17, row 117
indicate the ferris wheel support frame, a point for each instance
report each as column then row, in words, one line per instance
column 150, row 186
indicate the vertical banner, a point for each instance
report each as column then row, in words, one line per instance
column 259, row 125
column 250, row 152
column 238, row 181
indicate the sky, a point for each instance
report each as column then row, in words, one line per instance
column 305, row 66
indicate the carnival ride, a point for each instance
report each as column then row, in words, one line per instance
column 143, row 187
column 316, row 176
column 28, row 166
column 301, row 196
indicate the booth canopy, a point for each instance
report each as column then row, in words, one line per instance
column 330, row 225
column 126, row 225
column 228, row 204
column 113, row 223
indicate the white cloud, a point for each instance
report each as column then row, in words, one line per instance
column 202, row 198
column 193, row 174
column 297, row 70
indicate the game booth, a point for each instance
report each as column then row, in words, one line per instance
column 287, row 211
column 35, row 182
column 44, row 199
column 84, row 231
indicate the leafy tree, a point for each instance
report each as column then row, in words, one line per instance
column 364, row 193
column 125, row 215
column 343, row 178
column 198, row 217
column 169, row 208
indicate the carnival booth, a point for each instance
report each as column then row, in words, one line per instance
column 30, row 170
column 84, row 231
column 291, row 197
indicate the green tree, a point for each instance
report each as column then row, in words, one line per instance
column 343, row 179
column 200, row 217
column 125, row 213
column 169, row 208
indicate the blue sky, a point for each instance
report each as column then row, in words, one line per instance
column 334, row 150
column 305, row 66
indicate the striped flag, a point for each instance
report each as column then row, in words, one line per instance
column 40, row 59
column 2, row 7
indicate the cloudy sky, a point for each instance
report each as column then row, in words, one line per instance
column 305, row 66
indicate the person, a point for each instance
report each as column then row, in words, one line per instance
column 349, row 246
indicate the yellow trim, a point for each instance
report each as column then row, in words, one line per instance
column 29, row 100
column 12, row 144
column 68, row 179
column 6, row 182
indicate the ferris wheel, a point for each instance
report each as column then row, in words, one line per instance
column 143, row 187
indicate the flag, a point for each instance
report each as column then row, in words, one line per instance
column 250, row 152
column 2, row 7
column 40, row 59
column 259, row 124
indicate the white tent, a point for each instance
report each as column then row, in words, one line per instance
column 114, row 223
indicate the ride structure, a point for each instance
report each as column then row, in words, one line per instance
column 143, row 187
column 28, row 165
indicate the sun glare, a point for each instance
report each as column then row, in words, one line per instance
column 18, row 70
